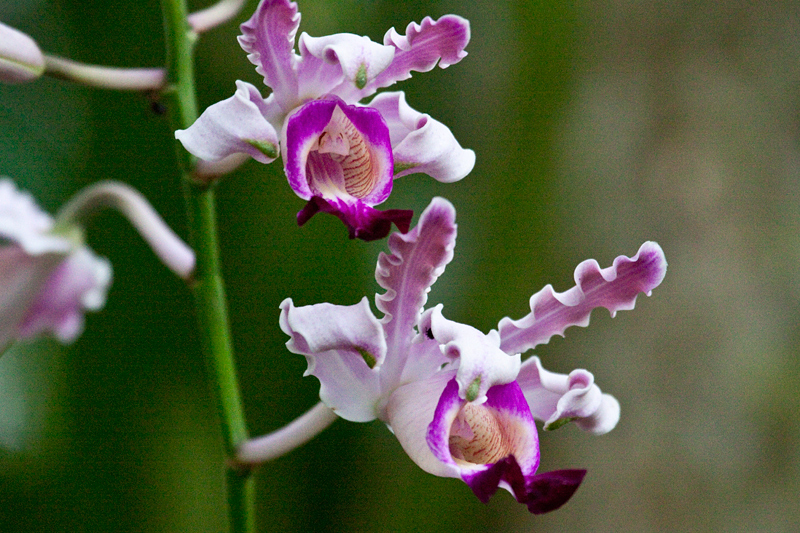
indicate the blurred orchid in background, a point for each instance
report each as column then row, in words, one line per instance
column 49, row 277
column 339, row 155
column 460, row 402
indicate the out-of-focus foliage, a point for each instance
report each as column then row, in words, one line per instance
column 597, row 126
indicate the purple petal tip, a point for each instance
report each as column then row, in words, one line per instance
column 363, row 222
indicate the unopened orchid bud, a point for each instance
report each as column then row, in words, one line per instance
column 20, row 58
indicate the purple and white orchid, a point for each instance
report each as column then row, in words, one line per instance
column 460, row 402
column 49, row 277
column 339, row 155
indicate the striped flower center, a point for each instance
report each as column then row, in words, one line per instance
column 346, row 147
column 479, row 436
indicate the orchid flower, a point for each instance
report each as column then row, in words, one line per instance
column 461, row 402
column 339, row 155
column 49, row 276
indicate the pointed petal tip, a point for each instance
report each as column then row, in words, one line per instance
column 551, row 490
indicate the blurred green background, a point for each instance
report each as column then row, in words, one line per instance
column 597, row 126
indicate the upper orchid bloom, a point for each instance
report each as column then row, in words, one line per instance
column 338, row 154
column 49, row 276
column 460, row 402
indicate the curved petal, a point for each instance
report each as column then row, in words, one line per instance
column 79, row 283
column 268, row 39
column 338, row 151
column 420, row 49
column 362, row 221
column 559, row 398
column 21, row 59
column 614, row 288
column 344, row 347
column 22, row 278
column 420, row 143
column 492, row 445
column 416, row 261
column 235, row 125
column 409, row 412
column 481, row 363
column 358, row 59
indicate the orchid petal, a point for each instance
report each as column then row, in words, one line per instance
column 235, row 125
column 344, row 347
column 358, row 59
column 338, row 151
column 416, row 260
column 550, row 490
column 481, row 363
column 21, row 60
column 420, row 143
column 420, row 49
column 268, row 39
column 409, row 412
column 614, row 288
column 362, row 221
column 492, row 445
column 559, row 398
column 79, row 283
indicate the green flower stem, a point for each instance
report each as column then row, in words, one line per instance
column 208, row 287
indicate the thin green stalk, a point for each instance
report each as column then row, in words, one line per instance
column 208, row 286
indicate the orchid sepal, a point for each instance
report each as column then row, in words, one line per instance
column 235, row 125
column 614, row 288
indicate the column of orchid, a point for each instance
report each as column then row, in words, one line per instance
column 461, row 402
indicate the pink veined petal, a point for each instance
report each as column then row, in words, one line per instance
column 416, row 261
column 424, row 45
column 559, row 398
column 344, row 347
column 357, row 58
column 481, row 363
column 493, row 445
column 614, row 288
column 338, row 151
column 235, row 125
column 420, row 143
column 268, row 39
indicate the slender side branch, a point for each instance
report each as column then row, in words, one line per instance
column 125, row 79
column 213, row 16
column 286, row 439
column 172, row 251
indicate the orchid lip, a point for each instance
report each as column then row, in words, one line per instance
column 336, row 151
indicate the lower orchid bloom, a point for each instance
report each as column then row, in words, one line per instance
column 461, row 402
column 49, row 276
column 338, row 154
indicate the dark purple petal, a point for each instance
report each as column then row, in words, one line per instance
column 614, row 288
column 362, row 221
column 548, row 491
column 416, row 260
column 268, row 39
